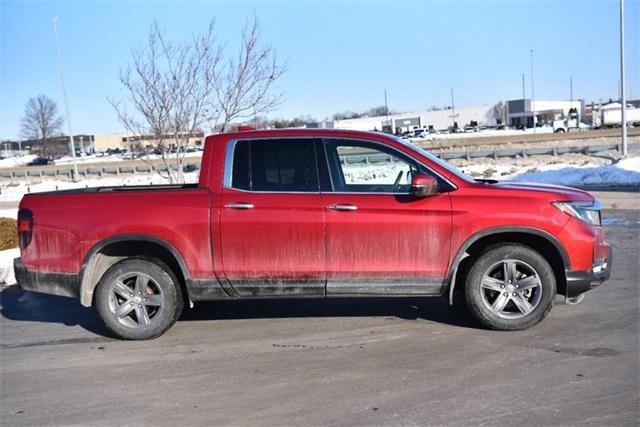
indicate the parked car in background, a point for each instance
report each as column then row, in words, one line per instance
column 313, row 213
column 421, row 133
column 114, row 151
column 40, row 161
column 566, row 125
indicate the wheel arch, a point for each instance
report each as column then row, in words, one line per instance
column 109, row 251
column 541, row 241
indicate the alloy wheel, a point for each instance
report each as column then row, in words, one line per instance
column 511, row 289
column 136, row 300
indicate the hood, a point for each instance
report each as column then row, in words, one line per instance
column 560, row 192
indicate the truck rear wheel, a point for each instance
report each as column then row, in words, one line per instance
column 510, row 288
column 139, row 298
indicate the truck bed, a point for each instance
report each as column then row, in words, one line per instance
column 121, row 188
column 67, row 224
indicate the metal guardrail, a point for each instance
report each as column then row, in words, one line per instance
column 526, row 152
column 92, row 170
column 347, row 158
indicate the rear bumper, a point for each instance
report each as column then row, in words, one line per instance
column 66, row 285
column 579, row 282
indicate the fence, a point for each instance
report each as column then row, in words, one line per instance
column 92, row 170
column 525, row 152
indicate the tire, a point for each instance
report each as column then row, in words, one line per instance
column 519, row 302
column 139, row 298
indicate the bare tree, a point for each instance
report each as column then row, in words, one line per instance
column 41, row 120
column 245, row 87
column 174, row 90
column 371, row 112
column 167, row 87
column 378, row 111
column 347, row 115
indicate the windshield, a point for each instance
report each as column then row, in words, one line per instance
column 450, row 168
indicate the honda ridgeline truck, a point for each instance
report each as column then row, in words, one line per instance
column 313, row 213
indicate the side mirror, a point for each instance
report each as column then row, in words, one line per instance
column 423, row 186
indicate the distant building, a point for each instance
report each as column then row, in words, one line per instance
column 521, row 112
column 435, row 120
column 60, row 145
column 57, row 145
column 104, row 142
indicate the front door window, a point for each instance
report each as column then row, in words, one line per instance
column 361, row 167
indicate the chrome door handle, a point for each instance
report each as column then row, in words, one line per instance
column 343, row 207
column 239, row 206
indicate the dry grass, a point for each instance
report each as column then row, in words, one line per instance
column 8, row 234
column 488, row 173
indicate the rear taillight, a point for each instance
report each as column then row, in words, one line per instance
column 25, row 227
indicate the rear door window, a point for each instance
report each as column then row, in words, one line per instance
column 275, row 165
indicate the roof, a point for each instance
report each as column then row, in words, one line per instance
column 271, row 133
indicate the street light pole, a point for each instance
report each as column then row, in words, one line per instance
column 533, row 97
column 453, row 113
column 571, row 90
column 623, row 98
column 522, row 74
column 66, row 103
column 386, row 112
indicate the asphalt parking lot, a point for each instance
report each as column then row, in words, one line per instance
column 333, row 362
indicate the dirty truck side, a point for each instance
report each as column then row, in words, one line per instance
column 313, row 213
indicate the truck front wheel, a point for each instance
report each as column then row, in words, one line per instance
column 138, row 298
column 510, row 287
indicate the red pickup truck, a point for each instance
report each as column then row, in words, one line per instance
column 313, row 213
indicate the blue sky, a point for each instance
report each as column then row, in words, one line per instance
column 341, row 55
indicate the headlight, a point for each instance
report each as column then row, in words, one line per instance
column 588, row 212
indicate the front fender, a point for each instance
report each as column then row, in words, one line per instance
column 508, row 232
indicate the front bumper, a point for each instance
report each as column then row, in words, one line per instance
column 66, row 285
column 579, row 282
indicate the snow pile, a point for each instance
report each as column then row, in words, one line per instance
column 624, row 173
column 6, row 266
column 9, row 213
column 12, row 162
